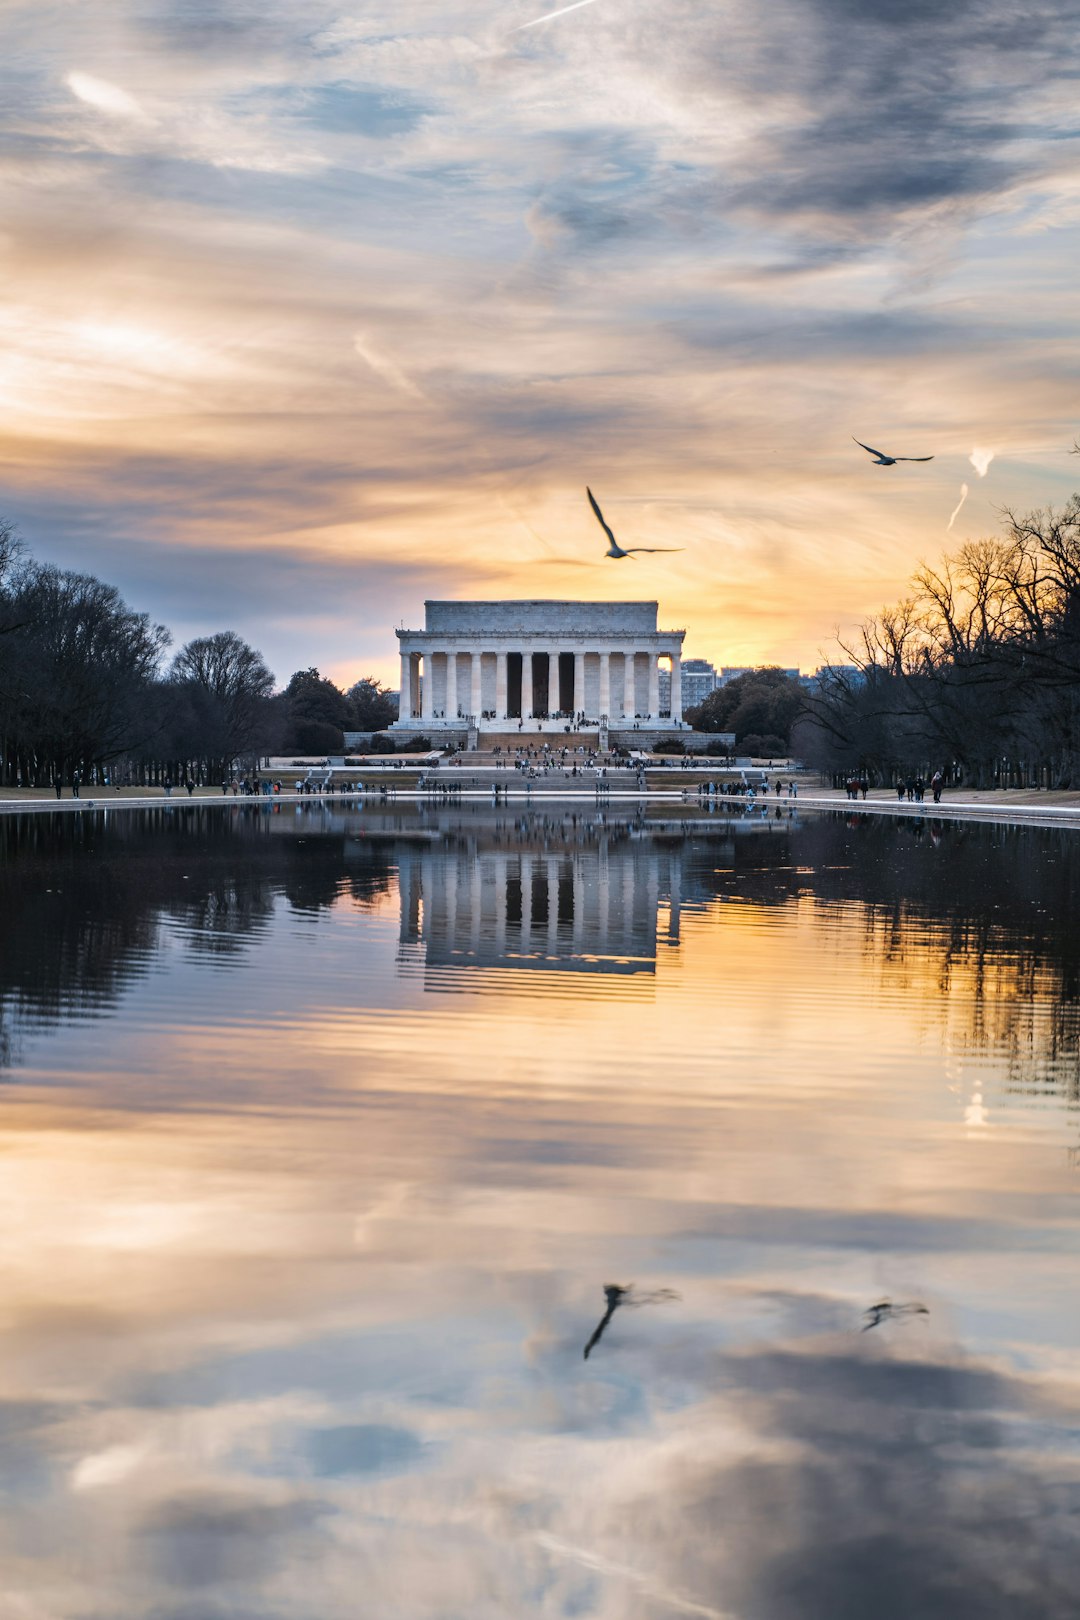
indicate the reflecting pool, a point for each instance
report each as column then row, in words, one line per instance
column 454, row 1215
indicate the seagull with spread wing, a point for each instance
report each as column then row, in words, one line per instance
column 887, row 461
column 614, row 549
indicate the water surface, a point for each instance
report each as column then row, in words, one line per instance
column 325, row 1131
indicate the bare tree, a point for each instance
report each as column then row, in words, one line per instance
column 231, row 687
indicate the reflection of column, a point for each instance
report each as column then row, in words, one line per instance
column 500, row 686
column 629, row 890
column 579, row 682
column 605, row 683
column 676, row 685
column 409, row 886
column 553, row 905
column 675, row 887
column 578, row 877
column 474, row 703
column 501, row 861
column 654, row 687
column 553, row 682
column 405, row 700
column 526, row 899
column 427, row 685
column 603, row 889
column 451, row 684
column 451, row 902
column 526, row 684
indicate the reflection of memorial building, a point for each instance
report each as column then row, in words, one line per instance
column 597, row 907
column 487, row 664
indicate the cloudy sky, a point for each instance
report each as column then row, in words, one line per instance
column 311, row 313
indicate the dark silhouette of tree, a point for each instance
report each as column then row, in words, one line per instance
column 77, row 670
column 763, row 702
column 372, row 706
column 229, row 689
column 978, row 669
column 316, row 714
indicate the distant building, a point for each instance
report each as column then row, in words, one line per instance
column 732, row 672
column 699, row 679
column 849, row 674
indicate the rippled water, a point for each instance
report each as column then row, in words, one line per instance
column 325, row 1132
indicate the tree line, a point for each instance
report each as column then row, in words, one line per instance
column 87, row 688
column 976, row 672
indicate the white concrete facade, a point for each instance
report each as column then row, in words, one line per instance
column 500, row 666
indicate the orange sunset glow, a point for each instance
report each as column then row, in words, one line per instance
column 310, row 314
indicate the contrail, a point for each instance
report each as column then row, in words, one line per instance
column 384, row 367
column 551, row 15
column 959, row 504
column 980, row 460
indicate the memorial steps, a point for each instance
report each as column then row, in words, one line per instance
column 511, row 742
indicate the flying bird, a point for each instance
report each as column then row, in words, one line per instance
column 614, row 549
column 887, row 461
column 885, row 1310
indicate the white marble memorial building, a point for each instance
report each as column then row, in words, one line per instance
column 500, row 666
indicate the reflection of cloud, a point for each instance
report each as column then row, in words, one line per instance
column 106, row 98
column 202, row 1537
column 551, row 15
column 362, row 1448
column 107, row 1467
column 281, row 1416
column 626, row 1573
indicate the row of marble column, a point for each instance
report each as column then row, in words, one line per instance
column 470, row 700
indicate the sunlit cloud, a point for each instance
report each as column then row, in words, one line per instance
column 105, row 97
column 959, row 504
column 980, row 460
column 677, row 269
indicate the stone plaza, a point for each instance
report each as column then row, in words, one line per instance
column 496, row 667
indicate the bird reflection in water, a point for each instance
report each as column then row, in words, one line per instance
column 616, row 1296
column 885, row 1311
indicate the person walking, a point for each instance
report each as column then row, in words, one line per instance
column 936, row 785
column 74, row 784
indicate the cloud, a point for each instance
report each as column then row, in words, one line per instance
column 980, row 460
column 681, row 247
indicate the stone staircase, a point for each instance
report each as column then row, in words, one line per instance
column 552, row 734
